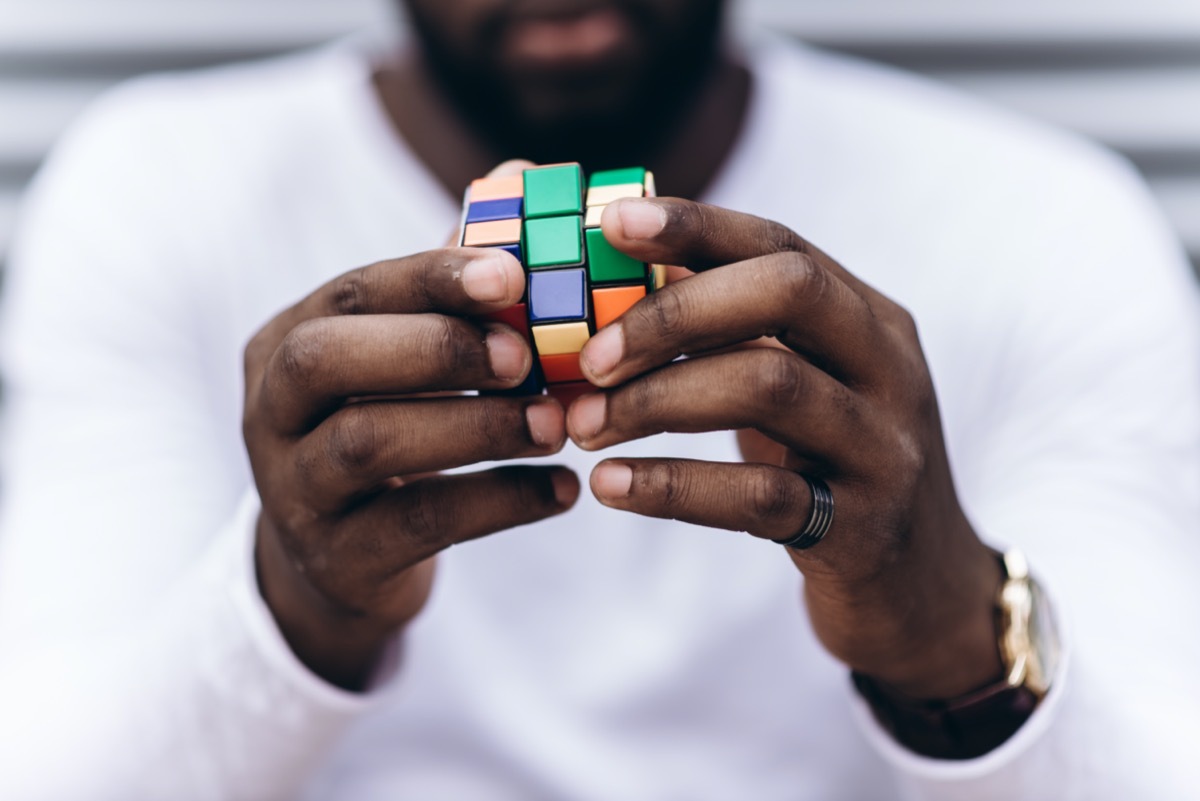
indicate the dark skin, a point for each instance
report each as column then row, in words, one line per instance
column 819, row 373
column 467, row 102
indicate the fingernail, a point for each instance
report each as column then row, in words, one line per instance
column 546, row 424
column 507, row 355
column 566, row 488
column 604, row 351
column 640, row 219
column 612, row 481
column 485, row 279
column 587, row 415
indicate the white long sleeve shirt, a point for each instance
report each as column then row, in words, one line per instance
column 597, row 655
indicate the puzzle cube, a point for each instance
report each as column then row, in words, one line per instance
column 576, row 282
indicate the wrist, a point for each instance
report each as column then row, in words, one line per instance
column 339, row 647
column 952, row 648
column 975, row 722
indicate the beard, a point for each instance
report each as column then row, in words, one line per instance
column 605, row 118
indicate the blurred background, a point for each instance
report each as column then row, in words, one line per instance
column 1126, row 72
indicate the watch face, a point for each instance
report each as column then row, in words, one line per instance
column 1044, row 643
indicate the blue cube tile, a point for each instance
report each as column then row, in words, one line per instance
column 508, row 208
column 557, row 295
column 513, row 249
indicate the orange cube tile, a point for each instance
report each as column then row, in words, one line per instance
column 561, row 368
column 497, row 188
column 611, row 302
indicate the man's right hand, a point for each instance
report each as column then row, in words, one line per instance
column 344, row 448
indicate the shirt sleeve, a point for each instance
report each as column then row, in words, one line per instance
column 137, row 659
column 1085, row 453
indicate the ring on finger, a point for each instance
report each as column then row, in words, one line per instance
column 820, row 518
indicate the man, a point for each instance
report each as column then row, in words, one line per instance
column 181, row 624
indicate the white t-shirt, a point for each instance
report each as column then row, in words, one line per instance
column 597, row 655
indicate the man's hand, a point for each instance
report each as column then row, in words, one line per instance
column 342, row 447
column 901, row 588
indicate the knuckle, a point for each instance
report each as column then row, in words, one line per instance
column 304, row 351
column 638, row 400
column 780, row 379
column 907, row 322
column 925, row 405
column 496, row 426
column 350, row 292
column 902, row 326
column 422, row 275
column 666, row 315
column 704, row 222
column 295, row 521
column 781, row 239
column 426, row 522
column 804, row 279
column 420, row 288
column 772, row 498
column 355, row 439
column 503, row 427
column 910, row 457
column 669, row 481
column 447, row 346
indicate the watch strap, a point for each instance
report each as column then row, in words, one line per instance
column 962, row 728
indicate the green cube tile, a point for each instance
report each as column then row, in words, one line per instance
column 607, row 264
column 629, row 175
column 553, row 191
column 553, row 241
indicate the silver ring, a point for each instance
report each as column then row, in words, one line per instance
column 819, row 519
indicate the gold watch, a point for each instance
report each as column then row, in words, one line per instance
column 1029, row 644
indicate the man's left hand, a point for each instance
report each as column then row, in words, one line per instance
column 901, row 588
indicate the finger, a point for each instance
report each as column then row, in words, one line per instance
column 783, row 295
column 323, row 361
column 700, row 237
column 773, row 391
column 364, row 444
column 510, row 167
column 458, row 281
column 411, row 523
column 765, row 501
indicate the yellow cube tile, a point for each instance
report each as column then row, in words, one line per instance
column 560, row 338
column 658, row 276
column 603, row 195
column 592, row 220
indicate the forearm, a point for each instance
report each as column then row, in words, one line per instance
column 198, row 699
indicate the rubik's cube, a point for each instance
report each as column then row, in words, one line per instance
column 576, row 282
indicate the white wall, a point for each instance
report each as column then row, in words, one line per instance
column 1124, row 71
